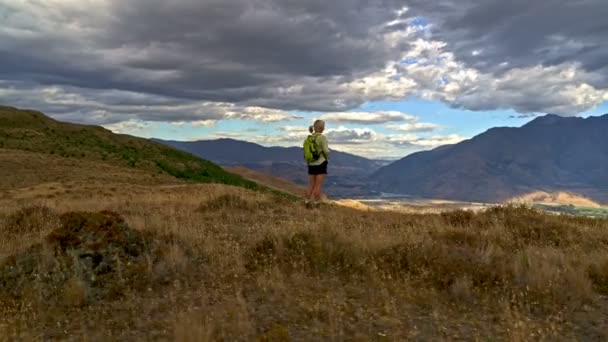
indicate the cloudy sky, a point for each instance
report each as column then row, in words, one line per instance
column 389, row 76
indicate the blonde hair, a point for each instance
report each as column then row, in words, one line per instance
column 316, row 126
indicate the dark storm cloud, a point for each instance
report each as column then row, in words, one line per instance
column 105, row 107
column 522, row 33
column 237, row 51
column 345, row 136
column 165, row 60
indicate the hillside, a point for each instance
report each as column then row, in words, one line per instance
column 550, row 153
column 268, row 180
column 347, row 174
column 555, row 199
column 31, row 131
column 105, row 251
column 112, row 261
column 46, row 175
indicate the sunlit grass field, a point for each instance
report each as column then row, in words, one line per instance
column 96, row 260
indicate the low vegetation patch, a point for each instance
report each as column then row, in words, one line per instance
column 221, row 263
column 228, row 202
column 31, row 219
column 598, row 272
column 89, row 257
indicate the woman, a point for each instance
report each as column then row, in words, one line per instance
column 318, row 168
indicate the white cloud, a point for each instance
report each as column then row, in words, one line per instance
column 366, row 140
column 415, row 127
column 301, row 129
column 559, row 90
column 368, row 117
column 253, row 113
column 204, row 123
column 434, row 74
column 127, row 127
column 386, row 84
column 439, row 140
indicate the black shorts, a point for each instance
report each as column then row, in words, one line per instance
column 318, row 169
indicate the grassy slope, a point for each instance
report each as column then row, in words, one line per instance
column 268, row 180
column 32, row 131
column 240, row 267
column 244, row 265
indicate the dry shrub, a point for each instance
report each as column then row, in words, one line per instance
column 193, row 327
column 75, row 292
column 306, row 252
column 173, row 261
column 440, row 265
column 525, row 226
column 462, row 289
column 548, row 276
column 227, row 202
column 519, row 326
column 31, row 219
column 598, row 273
column 278, row 333
column 459, row 237
column 321, row 253
column 92, row 255
column 263, row 255
column 458, row 218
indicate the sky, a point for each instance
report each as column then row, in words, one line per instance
column 389, row 77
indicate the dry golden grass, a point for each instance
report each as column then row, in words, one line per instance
column 213, row 262
column 268, row 180
column 283, row 185
column 239, row 265
column 48, row 175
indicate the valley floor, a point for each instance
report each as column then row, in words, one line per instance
column 211, row 262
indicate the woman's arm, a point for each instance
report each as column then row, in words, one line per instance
column 322, row 140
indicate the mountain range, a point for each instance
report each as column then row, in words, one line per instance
column 550, row 153
column 348, row 173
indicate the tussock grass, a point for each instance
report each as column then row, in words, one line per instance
column 30, row 219
column 598, row 273
column 91, row 257
column 211, row 262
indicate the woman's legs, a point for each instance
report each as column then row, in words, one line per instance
column 311, row 187
column 317, row 188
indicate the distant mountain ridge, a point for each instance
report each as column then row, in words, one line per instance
column 550, row 153
column 347, row 172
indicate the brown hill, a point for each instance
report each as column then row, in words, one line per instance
column 32, row 131
column 555, row 198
